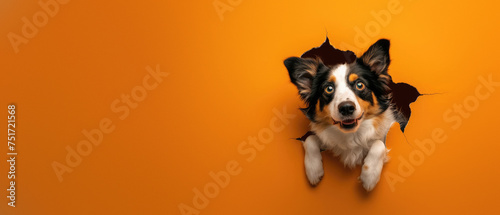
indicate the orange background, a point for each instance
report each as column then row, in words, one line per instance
column 225, row 79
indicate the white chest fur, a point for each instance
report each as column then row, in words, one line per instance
column 351, row 148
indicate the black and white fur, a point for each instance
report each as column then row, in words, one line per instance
column 349, row 106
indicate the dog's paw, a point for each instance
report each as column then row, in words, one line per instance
column 314, row 169
column 370, row 175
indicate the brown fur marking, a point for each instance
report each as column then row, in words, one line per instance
column 353, row 77
column 369, row 109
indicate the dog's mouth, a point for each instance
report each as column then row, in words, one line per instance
column 348, row 124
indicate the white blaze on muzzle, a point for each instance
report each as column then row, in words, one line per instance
column 343, row 93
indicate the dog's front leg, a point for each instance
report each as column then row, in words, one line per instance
column 372, row 167
column 312, row 159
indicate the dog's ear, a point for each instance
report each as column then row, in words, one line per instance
column 377, row 57
column 302, row 72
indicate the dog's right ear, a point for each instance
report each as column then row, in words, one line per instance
column 302, row 72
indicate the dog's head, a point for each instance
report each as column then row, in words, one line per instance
column 344, row 95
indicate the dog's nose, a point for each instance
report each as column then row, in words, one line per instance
column 347, row 108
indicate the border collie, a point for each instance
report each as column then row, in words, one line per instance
column 349, row 106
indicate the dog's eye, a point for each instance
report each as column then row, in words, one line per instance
column 329, row 89
column 360, row 86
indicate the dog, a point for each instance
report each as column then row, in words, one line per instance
column 349, row 106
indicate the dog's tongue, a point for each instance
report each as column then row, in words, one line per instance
column 348, row 122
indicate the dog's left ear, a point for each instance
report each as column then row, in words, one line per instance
column 377, row 57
